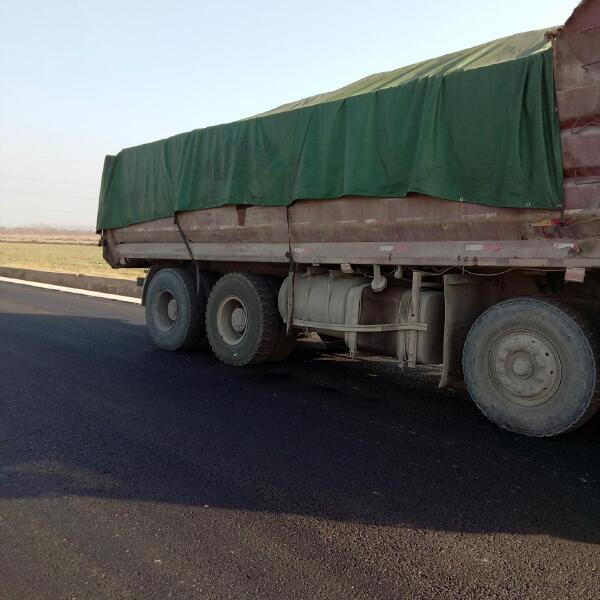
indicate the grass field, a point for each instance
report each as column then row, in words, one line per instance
column 44, row 235
column 61, row 257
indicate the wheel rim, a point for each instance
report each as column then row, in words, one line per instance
column 232, row 320
column 525, row 367
column 166, row 310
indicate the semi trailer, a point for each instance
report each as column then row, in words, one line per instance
column 445, row 213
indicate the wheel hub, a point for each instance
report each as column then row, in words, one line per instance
column 165, row 310
column 232, row 320
column 525, row 367
column 238, row 319
column 172, row 309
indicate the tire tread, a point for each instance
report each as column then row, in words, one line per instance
column 269, row 323
column 195, row 329
column 588, row 410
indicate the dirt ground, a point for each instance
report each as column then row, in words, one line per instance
column 48, row 236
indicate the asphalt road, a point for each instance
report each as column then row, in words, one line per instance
column 129, row 472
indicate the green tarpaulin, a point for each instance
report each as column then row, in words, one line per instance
column 475, row 126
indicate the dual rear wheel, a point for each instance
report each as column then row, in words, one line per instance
column 237, row 315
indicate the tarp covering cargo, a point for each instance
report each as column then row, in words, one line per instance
column 475, row 126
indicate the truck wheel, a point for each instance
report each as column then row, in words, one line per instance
column 174, row 312
column 531, row 367
column 285, row 343
column 242, row 319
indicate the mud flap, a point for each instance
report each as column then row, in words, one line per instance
column 465, row 298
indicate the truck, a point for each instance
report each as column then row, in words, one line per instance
column 446, row 213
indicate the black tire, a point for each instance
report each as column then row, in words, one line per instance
column 207, row 281
column 181, row 328
column 285, row 343
column 242, row 319
column 531, row 367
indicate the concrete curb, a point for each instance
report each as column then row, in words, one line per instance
column 106, row 285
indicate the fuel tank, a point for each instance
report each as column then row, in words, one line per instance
column 334, row 299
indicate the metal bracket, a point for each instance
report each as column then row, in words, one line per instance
column 413, row 317
column 361, row 328
column 353, row 316
column 408, row 339
column 575, row 275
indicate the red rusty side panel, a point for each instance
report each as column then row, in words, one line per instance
column 412, row 219
column 577, row 76
column 583, row 194
column 581, row 149
column 577, row 105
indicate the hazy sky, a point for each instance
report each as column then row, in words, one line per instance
column 83, row 79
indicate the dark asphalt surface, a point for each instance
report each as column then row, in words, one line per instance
column 128, row 472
